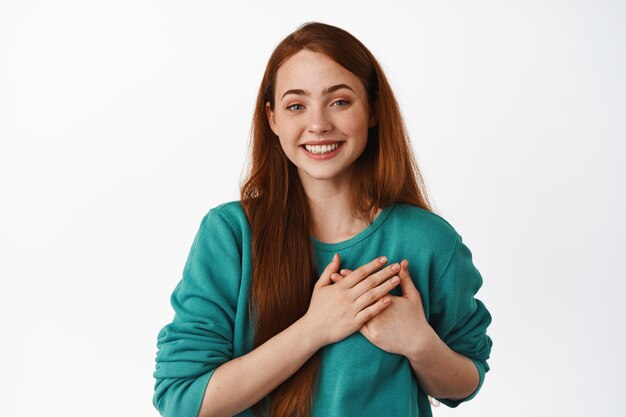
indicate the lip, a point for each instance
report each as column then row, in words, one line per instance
column 321, row 142
column 325, row 156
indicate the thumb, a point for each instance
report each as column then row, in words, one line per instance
column 406, row 283
column 332, row 267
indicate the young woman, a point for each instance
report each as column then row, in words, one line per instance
column 331, row 288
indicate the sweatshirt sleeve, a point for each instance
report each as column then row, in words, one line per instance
column 200, row 336
column 459, row 319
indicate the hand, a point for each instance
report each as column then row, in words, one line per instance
column 402, row 327
column 336, row 311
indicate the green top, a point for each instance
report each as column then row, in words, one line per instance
column 212, row 326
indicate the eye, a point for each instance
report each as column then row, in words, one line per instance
column 341, row 103
column 293, row 107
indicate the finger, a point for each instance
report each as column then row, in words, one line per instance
column 331, row 268
column 374, row 280
column 406, row 283
column 336, row 277
column 367, row 313
column 363, row 272
column 375, row 294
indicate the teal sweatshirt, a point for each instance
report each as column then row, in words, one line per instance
column 211, row 324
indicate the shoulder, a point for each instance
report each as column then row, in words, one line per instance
column 228, row 217
column 428, row 238
column 422, row 216
column 231, row 211
column 425, row 226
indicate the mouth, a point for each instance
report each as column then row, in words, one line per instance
column 322, row 149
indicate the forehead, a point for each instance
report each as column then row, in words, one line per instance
column 313, row 71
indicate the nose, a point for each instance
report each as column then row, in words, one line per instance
column 319, row 123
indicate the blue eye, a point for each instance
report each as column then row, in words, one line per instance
column 294, row 105
column 347, row 103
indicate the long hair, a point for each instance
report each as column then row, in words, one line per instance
column 283, row 262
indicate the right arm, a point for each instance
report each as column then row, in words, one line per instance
column 242, row 382
column 196, row 374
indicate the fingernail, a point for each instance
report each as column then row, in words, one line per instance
column 395, row 280
column 382, row 259
column 395, row 267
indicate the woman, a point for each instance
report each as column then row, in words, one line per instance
column 331, row 288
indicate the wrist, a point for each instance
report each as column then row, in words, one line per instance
column 426, row 351
column 310, row 336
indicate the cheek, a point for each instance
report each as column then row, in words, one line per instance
column 289, row 146
column 357, row 127
column 357, row 121
column 288, row 131
column 284, row 144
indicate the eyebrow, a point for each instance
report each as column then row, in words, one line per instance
column 330, row 89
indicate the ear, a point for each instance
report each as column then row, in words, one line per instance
column 271, row 118
column 373, row 120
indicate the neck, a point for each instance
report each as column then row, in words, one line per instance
column 331, row 211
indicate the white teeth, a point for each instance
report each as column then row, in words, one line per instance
column 321, row 149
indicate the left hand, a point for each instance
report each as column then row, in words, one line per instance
column 402, row 327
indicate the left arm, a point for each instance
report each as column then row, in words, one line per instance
column 443, row 373
column 448, row 352
column 403, row 329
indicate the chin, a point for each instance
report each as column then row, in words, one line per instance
column 323, row 175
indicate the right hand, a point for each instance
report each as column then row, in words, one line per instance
column 339, row 309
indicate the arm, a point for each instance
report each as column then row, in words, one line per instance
column 460, row 346
column 244, row 381
column 335, row 312
column 443, row 373
column 448, row 352
column 198, row 344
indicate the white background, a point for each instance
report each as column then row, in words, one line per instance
column 123, row 122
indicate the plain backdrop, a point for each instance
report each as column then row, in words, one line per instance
column 123, row 122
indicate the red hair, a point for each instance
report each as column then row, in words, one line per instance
column 283, row 262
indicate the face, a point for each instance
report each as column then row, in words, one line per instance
column 321, row 116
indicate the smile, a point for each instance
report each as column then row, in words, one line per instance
column 322, row 149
